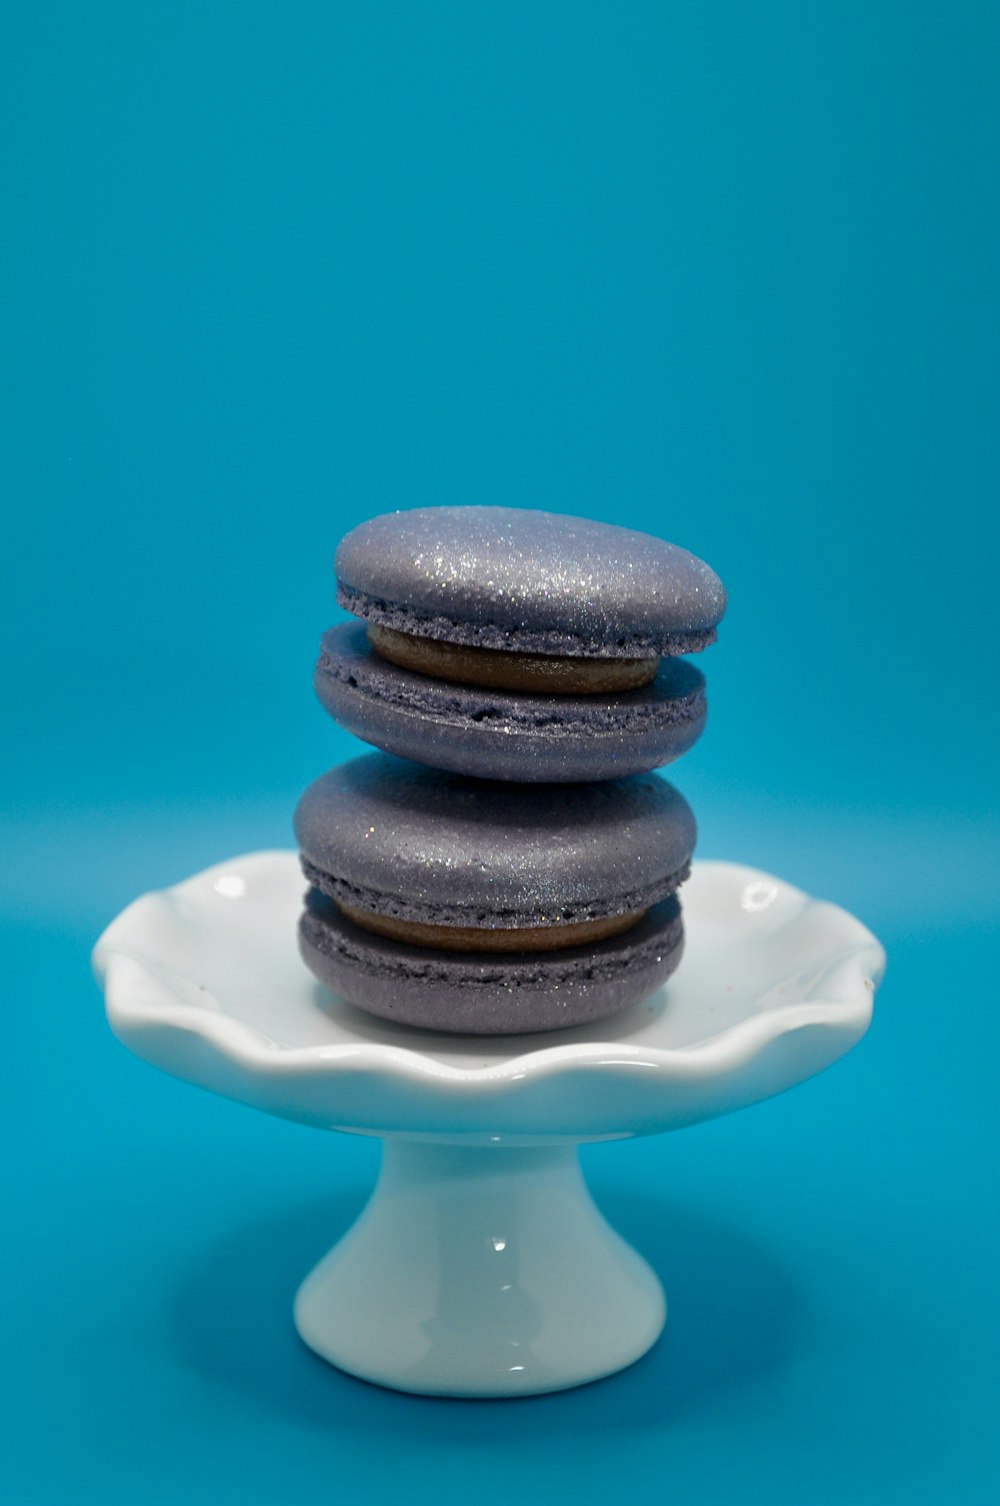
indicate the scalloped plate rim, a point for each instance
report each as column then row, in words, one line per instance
column 130, row 1009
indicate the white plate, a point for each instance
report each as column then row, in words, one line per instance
column 204, row 981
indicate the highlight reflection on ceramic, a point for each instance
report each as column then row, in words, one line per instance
column 481, row 1266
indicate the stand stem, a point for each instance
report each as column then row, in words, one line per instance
column 480, row 1271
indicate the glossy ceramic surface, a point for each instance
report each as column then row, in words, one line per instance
column 480, row 1273
column 481, row 1267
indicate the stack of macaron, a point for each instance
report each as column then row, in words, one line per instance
column 509, row 862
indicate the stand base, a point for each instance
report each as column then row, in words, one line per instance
column 480, row 1272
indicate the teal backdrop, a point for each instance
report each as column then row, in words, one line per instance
column 722, row 271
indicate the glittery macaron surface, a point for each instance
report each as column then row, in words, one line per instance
column 419, row 844
column 502, row 734
column 522, row 580
column 484, row 994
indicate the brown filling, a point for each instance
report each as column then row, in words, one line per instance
column 479, row 939
column 508, row 671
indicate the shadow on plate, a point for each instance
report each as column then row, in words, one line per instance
column 734, row 1316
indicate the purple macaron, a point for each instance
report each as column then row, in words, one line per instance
column 388, row 843
column 501, row 585
column 517, row 579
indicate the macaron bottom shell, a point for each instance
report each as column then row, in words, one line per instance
column 498, row 734
column 481, row 993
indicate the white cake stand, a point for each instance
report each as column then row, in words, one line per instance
column 481, row 1267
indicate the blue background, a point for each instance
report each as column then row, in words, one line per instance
column 725, row 272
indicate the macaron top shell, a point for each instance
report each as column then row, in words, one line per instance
column 419, row 844
column 522, row 580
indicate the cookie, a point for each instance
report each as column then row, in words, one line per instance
column 511, row 644
column 474, row 906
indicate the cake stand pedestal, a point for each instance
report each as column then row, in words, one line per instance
column 492, row 1274
column 480, row 1266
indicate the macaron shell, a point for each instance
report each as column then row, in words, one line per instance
column 486, row 994
column 497, row 734
column 521, row 579
column 423, row 845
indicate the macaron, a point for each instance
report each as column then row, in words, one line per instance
column 464, row 905
column 506, row 643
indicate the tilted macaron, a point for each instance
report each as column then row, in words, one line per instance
column 512, row 644
column 473, row 906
